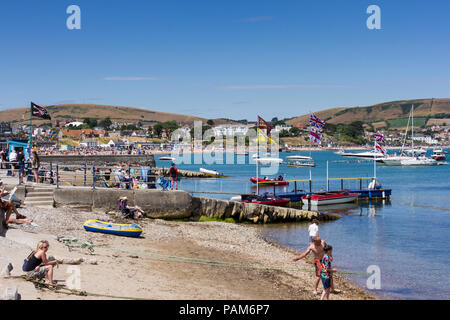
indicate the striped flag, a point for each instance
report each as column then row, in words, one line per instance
column 316, row 122
column 315, row 135
column 380, row 149
column 379, row 137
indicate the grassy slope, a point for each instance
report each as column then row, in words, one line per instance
column 398, row 110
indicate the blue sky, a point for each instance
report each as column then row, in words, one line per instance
column 231, row 59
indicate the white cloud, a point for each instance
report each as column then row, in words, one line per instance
column 130, row 78
column 282, row 86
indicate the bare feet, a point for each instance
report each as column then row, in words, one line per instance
column 336, row 291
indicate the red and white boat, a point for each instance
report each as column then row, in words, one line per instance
column 269, row 182
column 438, row 155
column 317, row 199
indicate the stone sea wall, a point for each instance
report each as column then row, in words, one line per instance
column 99, row 160
column 181, row 205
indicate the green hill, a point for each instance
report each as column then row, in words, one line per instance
column 389, row 115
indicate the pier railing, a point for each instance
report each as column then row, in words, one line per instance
column 359, row 182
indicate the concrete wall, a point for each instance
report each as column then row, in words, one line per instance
column 180, row 204
column 100, row 160
column 156, row 203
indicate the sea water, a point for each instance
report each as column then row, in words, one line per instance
column 407, row 237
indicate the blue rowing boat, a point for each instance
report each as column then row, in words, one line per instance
column 126, row 230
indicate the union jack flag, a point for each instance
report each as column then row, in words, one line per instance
column 316, row 122
column 315, row 135
column 379, row 137
column 380, row 149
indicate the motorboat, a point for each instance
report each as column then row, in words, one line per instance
column 269, row 182
column 298, row 158
column 266, row 199
column 438, row 155
column 327, row 198
column 366, row 155
column 269, row 160
column 297, row 164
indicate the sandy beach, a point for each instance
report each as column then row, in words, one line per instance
column 171, row 260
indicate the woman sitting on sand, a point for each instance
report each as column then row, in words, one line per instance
column 37, row 265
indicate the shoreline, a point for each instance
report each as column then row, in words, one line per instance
column 173, row 260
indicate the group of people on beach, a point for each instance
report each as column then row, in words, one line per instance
column 15, row 160
column 323, row 256
column 9, row 207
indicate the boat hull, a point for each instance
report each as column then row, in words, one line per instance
column 269, row 182
column 318, row 199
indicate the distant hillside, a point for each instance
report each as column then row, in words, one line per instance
column 393, row 114
column 116, row 113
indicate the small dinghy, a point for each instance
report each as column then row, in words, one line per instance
column 213, row 172
column 126, row 230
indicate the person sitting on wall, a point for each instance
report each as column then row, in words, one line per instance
column 128, row 211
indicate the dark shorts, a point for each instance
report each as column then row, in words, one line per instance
column 326, row 283
column 21, row 168
column 173, row 178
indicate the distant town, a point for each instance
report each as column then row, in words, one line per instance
column 102, row 133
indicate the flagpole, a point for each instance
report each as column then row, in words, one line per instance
column 31, row 126
column 374, row 158
column 257, row 156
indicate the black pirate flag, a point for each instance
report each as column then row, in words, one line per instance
column 40, row 112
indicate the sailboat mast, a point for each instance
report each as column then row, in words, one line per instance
column 412, row 129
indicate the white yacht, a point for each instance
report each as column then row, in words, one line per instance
column 367, row 155
column 410, row 157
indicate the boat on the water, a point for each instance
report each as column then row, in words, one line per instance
column 438, row 155
column 412, row 156
column 269, row 182
column 298, row 158
column 269, row 160
column 213, row 172
column 266, row 199
column 326, row 198
column 366, row 155
column 127, row 230
column 167, row 158
column 298, row 164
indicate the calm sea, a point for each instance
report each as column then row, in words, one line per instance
column 407, row 237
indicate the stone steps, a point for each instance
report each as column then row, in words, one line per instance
column 39, row 197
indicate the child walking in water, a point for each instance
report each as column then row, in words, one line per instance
column 325, row 272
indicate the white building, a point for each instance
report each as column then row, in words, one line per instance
column 230, row 130
column 425, row 139
column 282, row 127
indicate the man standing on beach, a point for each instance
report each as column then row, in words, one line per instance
column 317, row 247
column 313, row 230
